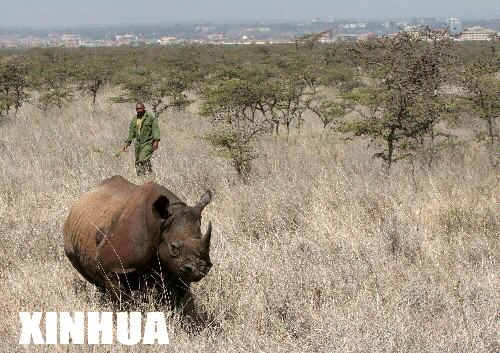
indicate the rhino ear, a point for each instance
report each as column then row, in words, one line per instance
column 160, row 207
column 205, row 200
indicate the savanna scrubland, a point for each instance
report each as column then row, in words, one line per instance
column 317, row 248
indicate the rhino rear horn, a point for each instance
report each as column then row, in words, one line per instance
column 160, row 206
column 205, row 200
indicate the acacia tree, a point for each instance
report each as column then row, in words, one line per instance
column 14, row 83
column 328, row 111
column 482, row 91
column 289, row 94
column 51, row 76
column 92, row 72
column 237, row 104
column 158, row 87
column 402, row 103
column 309, row 40
column 291, row 82
column 331, row 78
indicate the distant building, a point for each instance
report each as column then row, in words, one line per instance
column 167, row 40
column 366, row 37
column 215, row 37
column 346, row 38
column 258, row 29
column 477, row 33
column 87, row 43
column 70, row 37
column 205, row 29
column 454, row 26
column 71, row 40
column 126, row 39
column 326, row 37
column 131, row 37
column 354, row 25
column 104, row 43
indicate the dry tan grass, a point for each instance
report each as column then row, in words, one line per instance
column 317, row 253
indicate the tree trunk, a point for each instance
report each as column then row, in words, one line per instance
column 431, row 150
column 414, row 180
column 299, row 123
column 390, row 149
column 489, row 120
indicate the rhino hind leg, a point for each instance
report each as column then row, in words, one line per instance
column 121, row 286
column 74, row 259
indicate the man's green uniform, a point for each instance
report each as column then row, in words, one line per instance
column 145, row 131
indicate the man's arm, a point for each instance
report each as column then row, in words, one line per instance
column 156, row 133
column 131, row 135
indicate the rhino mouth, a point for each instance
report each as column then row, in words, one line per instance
column 194, row 274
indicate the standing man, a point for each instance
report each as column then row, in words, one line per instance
column 144, row 129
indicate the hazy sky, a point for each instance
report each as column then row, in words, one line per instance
column 57, row 13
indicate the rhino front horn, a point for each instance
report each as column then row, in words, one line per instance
column 208, row 234
column 205, row 200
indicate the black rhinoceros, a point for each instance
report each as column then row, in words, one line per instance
column 121, row 236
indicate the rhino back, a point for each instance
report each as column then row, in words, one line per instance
column 89, row 221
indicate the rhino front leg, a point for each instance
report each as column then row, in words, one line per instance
column 185, row 304
column 193, row 320
column 116, row 288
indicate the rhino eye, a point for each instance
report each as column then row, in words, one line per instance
column 175, row 248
